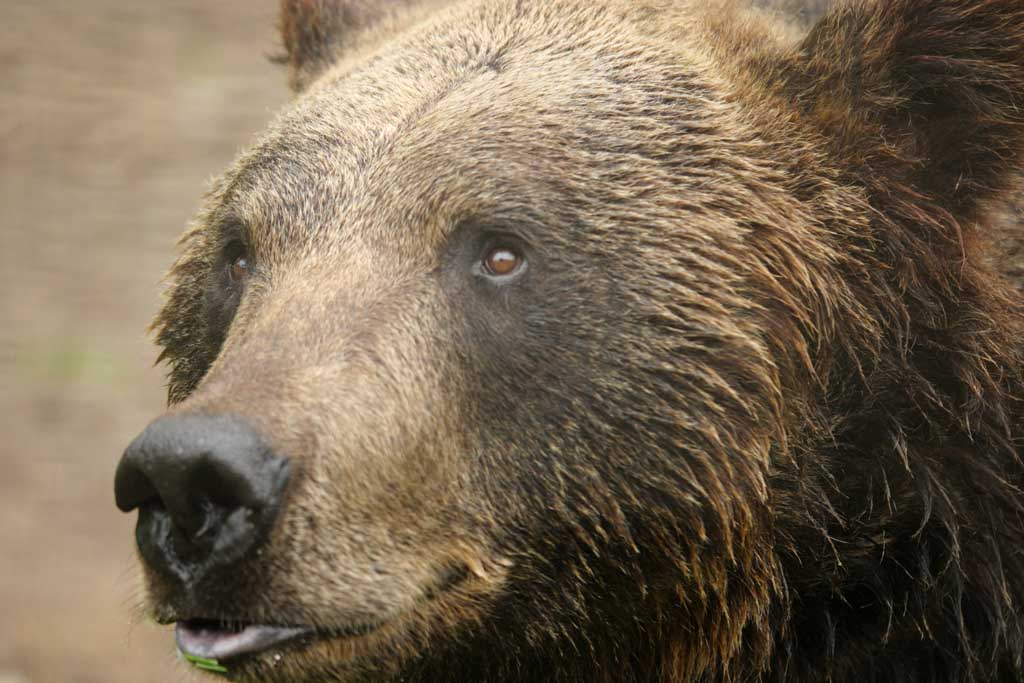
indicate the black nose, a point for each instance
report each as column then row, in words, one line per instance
column 207, row 489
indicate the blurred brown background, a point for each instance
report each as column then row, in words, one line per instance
column 113, row 115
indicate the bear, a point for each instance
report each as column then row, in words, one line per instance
column 603, row 340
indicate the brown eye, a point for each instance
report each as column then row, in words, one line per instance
column 502, row 261
column 239, row 269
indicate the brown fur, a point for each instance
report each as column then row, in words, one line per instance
column 753, row 413
column 1007, row 253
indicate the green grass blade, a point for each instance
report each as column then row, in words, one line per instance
column 204, row 663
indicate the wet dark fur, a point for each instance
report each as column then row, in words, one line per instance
column 793, row 455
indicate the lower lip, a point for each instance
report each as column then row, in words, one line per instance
column 202, row 640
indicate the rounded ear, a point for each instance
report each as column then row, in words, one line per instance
column 924, row 97
column 316, row 33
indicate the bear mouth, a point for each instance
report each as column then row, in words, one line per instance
column 221, row 640
column 204, row 640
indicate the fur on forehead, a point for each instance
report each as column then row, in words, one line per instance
column 317, row 33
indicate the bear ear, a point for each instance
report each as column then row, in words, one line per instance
column 317, row 32
column 924, row 98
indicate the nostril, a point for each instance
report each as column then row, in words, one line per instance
column 132, row 488
column 225, row 483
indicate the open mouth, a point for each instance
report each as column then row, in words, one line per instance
column 211, row 642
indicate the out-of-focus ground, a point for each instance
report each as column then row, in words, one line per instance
column 113, row 115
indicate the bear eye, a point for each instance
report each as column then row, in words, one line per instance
column 503, row 262
column 239, row 265
column 239, row 269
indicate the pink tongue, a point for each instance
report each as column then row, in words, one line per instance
column 210, row 643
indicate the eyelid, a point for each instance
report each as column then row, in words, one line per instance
column 505, row 239
column 232, row 230
column 236, row 248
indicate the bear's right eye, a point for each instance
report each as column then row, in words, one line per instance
column 238, row 262
column 239, row 269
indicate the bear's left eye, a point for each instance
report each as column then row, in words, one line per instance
column 503, row 262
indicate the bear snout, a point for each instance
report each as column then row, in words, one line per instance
column 207, row 489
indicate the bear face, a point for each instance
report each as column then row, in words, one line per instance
column 601, row 341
